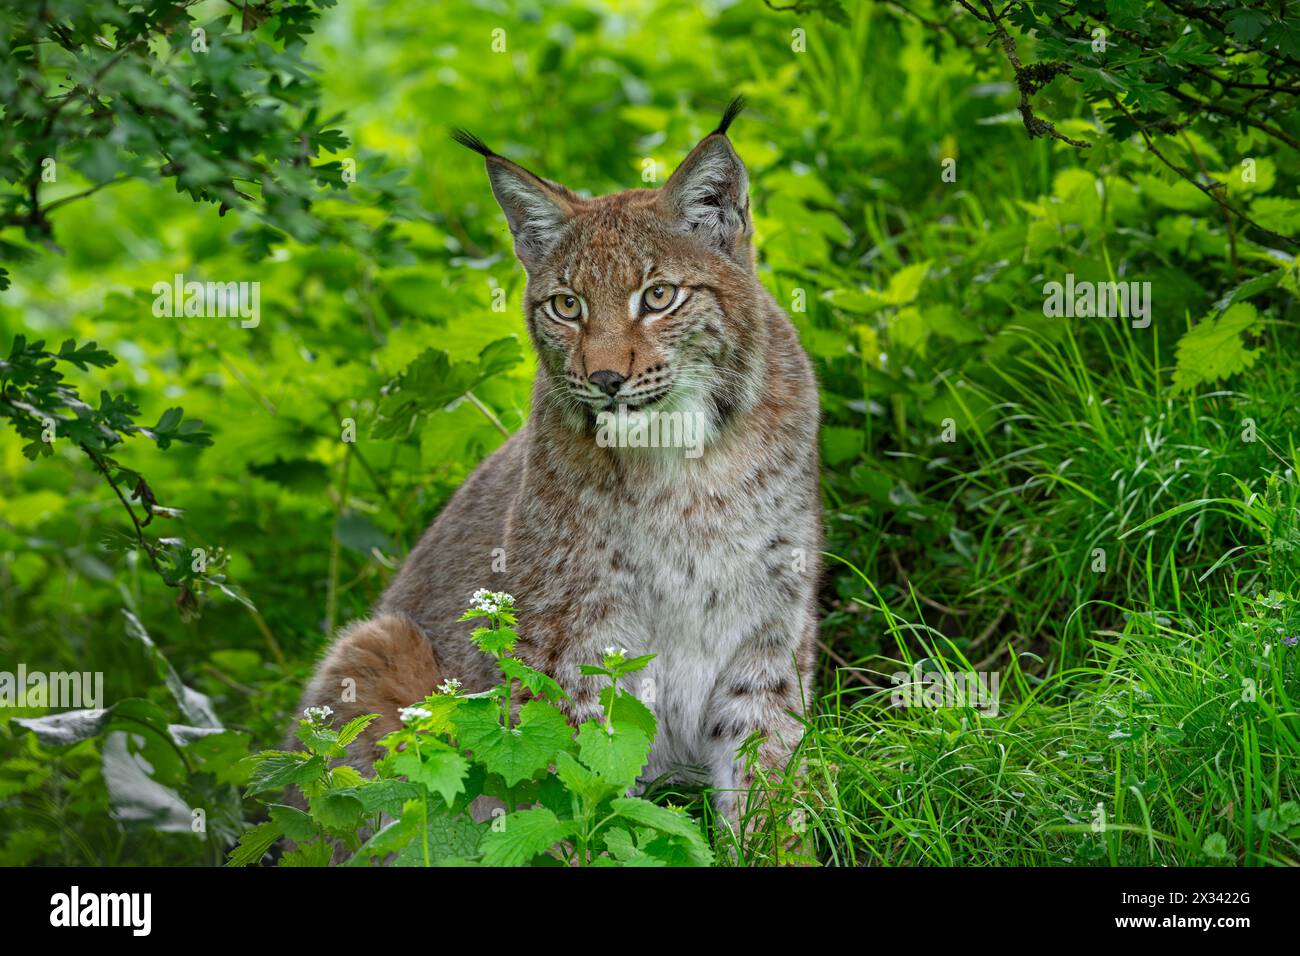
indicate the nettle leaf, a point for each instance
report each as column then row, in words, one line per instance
column 386, row 796
column 539, row 684
column 441, row 838
column 584, row 782
column 629, row 709
column 440, row 707
column 615, row 757
column 318, row 853
column 435, row 766
column 353, row 728
column 519, row 753
column 523, row 835
column 494, row 641
column 254, row 843
column 337, row 810
column 276, row 769
column 391, row 839
column 1213, row 349
column 319, row 740
column 672, row 822
column 294, row 823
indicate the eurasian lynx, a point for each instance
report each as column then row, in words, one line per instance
column 648, row 300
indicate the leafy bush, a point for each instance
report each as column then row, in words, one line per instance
column 563, row 798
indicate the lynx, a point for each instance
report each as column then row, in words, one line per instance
column 641, row 302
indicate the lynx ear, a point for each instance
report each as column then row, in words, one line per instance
column 709, row 192
column 536, row 209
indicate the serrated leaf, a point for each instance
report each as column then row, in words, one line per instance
column 353, row 728
column 539, row 684
column 294, row 823
column 519, row 753
column 436, row 766
column 523, row 835
column 616, row 758
column 254, row 843
column 583, row 781
column 628, row 709
column 1213, row 348
column 673, row 822
column 282, row 769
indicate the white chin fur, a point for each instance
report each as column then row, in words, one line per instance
column 681, row 425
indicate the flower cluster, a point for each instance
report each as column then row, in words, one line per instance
column 317, row 715
column 492, row 602
column 449, row 686
column 410, row 715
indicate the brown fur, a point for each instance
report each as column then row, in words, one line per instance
column 709, row 563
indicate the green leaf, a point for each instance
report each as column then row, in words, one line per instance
column 1213, row 349
column 254, row 843
column 584, row 782
column 317, row 853
column 337, row 810
column 519, row 753
column 616, row 758
column 386, row 796
column 353, row 728
column 1215, row 846
column 523, row 835
column 278, row 769
column 672, row 822
column 628, row 709
column 494, row 641
column 436, row 766
column 294, row 823
column 539, row 684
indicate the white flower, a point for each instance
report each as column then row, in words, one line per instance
column 493, row 602
column 317, row 715
column 410, row 715
column 449, row 686
column 619, row 654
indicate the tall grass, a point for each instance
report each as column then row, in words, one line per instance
column 1148, row 707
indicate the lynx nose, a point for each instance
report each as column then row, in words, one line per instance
column 607, row 380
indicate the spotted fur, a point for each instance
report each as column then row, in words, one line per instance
column 709, row 563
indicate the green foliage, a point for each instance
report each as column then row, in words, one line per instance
column 455, row 749
column 1213, row 350
column 216, row 98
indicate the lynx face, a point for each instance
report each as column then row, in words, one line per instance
column 645, row 298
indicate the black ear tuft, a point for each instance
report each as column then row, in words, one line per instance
column 733, row 110
column 470, row 141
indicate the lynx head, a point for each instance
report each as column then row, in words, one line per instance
column 645, row 298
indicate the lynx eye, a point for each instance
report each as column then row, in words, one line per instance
column 658, row 297
column 566, row 306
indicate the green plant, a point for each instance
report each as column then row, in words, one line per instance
column 562, row 798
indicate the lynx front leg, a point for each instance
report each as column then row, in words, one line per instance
column 559, row 644
column 762, row 690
